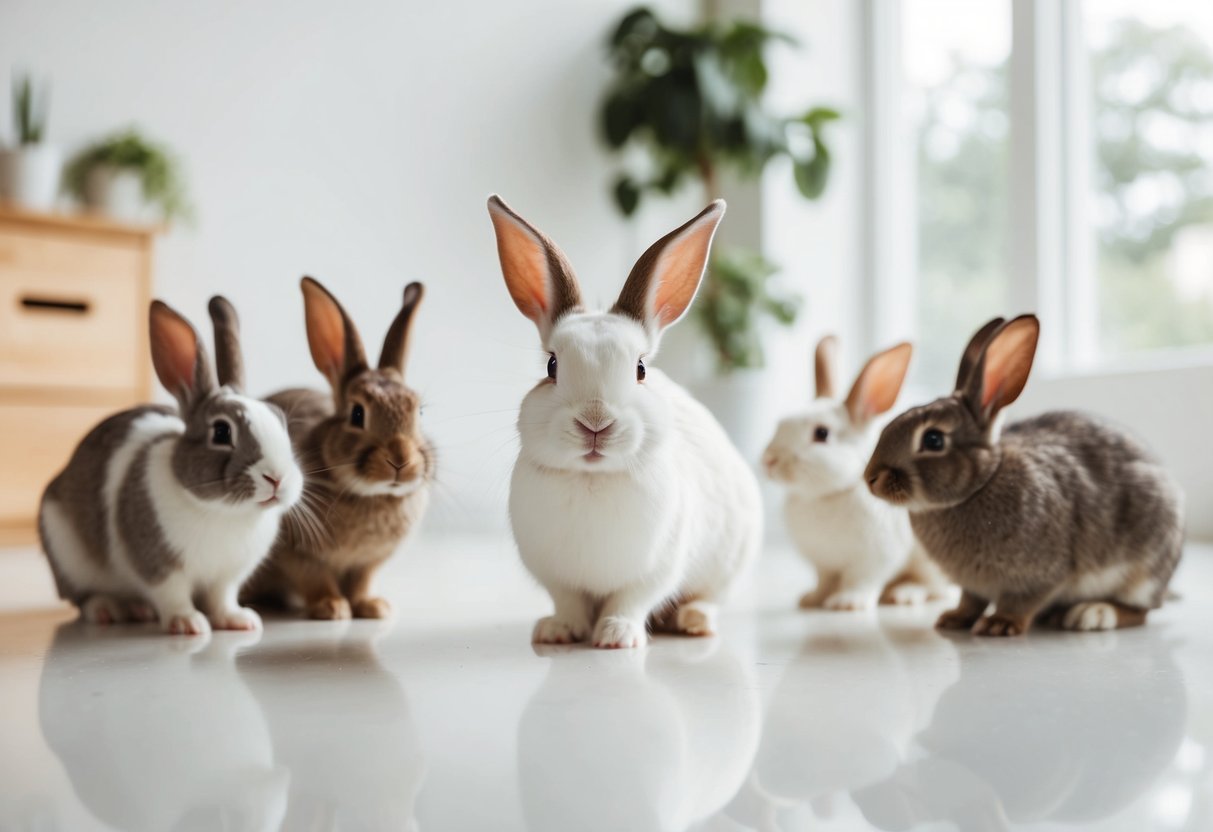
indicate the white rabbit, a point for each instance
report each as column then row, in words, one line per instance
column 158, row 507
column 627, row 500
column 861, row 547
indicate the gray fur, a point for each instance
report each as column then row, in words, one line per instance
column 1031, row 519
column 215, row 473
column 229, row 359
column 150, row 553
column 78, row 489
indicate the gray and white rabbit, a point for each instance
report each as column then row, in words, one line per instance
column 1059, row 516
column 158, row 507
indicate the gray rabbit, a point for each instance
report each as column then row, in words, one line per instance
column 1058, row 517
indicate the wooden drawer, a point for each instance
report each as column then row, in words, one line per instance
column 36, row 441
column 72, row 312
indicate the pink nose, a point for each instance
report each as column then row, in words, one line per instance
column 272, row 481
column 591, row 433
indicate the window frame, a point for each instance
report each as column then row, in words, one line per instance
column 1051, row 243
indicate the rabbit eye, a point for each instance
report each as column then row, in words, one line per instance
column 821, row 433
column 640, row 372
column 221, row 434
column 358, row 416
column 552, row 366
column 932, row 440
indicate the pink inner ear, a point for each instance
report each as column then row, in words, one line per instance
column 524, row 265
column 680, row 270
column 325, row 332
column 1008, row 362
column 177, row 351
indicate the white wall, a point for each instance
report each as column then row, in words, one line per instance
column 357, row 142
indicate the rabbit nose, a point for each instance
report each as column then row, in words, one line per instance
column 273, row 481
column 593, row 433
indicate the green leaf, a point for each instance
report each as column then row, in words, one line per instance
column 818, row 116
column 627, row 195
column 619, row 119
column 812, row 175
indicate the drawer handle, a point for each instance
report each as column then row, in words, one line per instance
column 73, row 307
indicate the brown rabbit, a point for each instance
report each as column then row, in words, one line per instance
column 1059, row 515
column 367, row 464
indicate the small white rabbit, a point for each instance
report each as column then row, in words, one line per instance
column 627, row 500
column 861, row 547
column 159, row 507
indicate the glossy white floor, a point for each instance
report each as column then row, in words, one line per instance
column 447, row 718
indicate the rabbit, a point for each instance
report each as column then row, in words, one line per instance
column 1059, row 517
column 157, row 506
column 861, row 547
column 369, row 467
column 627, row 501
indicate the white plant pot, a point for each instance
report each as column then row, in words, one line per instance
column 740, row 401
column 29, row 176
column 117, row 193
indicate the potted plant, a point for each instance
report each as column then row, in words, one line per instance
column 692, row 101
column 128, row 177
column 29, row 172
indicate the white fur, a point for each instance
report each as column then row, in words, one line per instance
column 855, row 542
column 1091, row 615
column 670, row 509
column 219, row 543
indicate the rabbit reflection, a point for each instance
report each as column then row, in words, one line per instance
column 843, row 717
column 341, row 725
column 1074, row 730
column 160, row 734
column 654, row 740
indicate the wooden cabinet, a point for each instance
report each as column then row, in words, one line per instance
column 74, row 293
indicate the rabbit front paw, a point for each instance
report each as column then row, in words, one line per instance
column 553, row 630
column 614, row 631
column 102, row 610
column 850, row 600
column 999, row 626
column 191, row 623
column 1090, row 616
column 334, row 608
column 906, row 595
column 239, row 618
column 956, row 620
column 371, row 608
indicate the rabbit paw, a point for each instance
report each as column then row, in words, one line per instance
column 696, row 619
column 811, row 599
column 191, row 623
column 999, row 626
column 553, row 630
column 615, row 631
column 906, row 595
column 1088, row 616
column 955, row 620
column 330, row 609
column 851, row 600
column 102, row 610
column 240, row 618
column 371, row 608
column 141, row 611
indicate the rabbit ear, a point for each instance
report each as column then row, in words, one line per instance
column 537, row 273
column 825, row 362
column 876, row 388
column 181, row 364
column 229, row 361
column 973, row 351
column 336, row 348
column 1002, row 370
column 665, row 279
column 396, row 344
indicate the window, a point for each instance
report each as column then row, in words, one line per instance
column 956, row 105
column 1150, row 69
column 1061, row 161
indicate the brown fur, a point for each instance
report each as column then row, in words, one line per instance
column 328, row 560
column 1059, row 509
column 825, row 364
